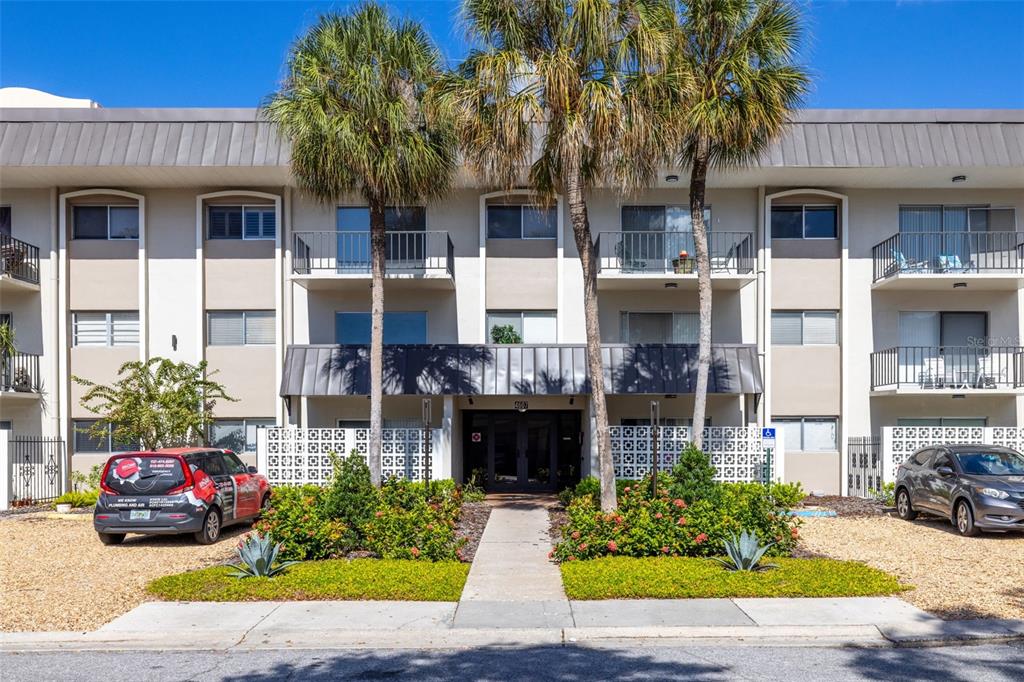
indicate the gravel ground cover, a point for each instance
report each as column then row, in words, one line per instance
column 846, row 506
column 56, row 575
column 955, row 577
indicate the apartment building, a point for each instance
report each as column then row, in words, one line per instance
column 867, row 272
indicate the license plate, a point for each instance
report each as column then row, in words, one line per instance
column 139, row 514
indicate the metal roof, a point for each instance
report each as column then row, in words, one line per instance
column 332, row 370
column 818, row 138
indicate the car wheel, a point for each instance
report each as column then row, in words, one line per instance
column 111, row 538
column 264, row 506
column 963, row 519
column 903, row 506
column 210, row 532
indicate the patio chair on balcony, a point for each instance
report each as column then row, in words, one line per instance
column 990, row 376
column 726, row 263
column 953, row 263
column 934, row 373
column 903, row 264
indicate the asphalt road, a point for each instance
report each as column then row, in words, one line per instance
column 968, row 663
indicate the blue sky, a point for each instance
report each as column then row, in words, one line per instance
column 862, row 53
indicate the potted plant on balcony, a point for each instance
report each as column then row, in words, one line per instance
column 22, row 382
column 683, row 265
column 7, row 351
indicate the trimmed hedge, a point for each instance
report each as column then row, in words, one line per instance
column 315, row 580
column 689, row 578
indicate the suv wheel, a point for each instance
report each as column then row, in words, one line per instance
column 963, row 519
column 111, row 538
column 903, row 506
column 264, row 506
column 210, row 532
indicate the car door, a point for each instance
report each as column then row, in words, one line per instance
column 213, row 465
column 917, row 472
column 942, row 487
column 246, row 487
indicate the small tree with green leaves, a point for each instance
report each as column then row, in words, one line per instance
column 156, row 404
column 505, row 333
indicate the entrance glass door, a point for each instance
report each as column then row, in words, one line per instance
column 539, row 436
column 521, row 450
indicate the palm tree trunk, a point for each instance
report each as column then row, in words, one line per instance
column 698, row 180
column 378, row 242
column 588, row 258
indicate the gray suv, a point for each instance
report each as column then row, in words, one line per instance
column 977, row 487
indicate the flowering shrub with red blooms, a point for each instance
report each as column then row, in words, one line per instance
column 646, row 525
column 297, row 518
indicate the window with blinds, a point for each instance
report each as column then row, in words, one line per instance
column 105, row 222
column 805, row 328
column 809, row 434
column 242, row 222
column 645, row 327
column 240, row 328
column 105, row 328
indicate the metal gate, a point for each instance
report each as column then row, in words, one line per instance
column 35, row 469
column 866, row 469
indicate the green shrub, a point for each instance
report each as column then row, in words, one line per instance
column 886, row 496
column 787, row 495
column 588, row 486
column 408, row 526
column 351, row 498
column 91, row 481
column 693, row 476
column 85, row 498
column 298, row 519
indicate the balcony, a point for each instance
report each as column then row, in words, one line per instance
column 655, row 260
column 19, row 376
column 985, row 261
column 19, row 264
column 331, row 260
column 992, row 370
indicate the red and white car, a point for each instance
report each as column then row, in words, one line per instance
column 177, row 490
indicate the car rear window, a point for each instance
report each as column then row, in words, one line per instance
column 144, row 475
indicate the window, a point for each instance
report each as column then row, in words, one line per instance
column 523, row 221
column 809, row 434
column 805, row 222
column 238, row 435
column 105, row 329
column 85, row 443
column 213, row 464
column 922, row 457
column 399, row 328
column 5, row 220
column 233, row 464
column 943, row 421
column 242, row 222
column 660, row 219
column 942, row 459
column 805, row 328
column 5, row 425
column 240, row 328
column 531, row 326
column 106, row 222
column 659, row 327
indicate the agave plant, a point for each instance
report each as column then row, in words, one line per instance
column 745, row 553
column 257, row 555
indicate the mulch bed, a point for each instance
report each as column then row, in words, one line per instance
column 471, row 524
column 557, row 519
column 847, row 506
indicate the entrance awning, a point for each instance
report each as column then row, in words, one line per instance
column 332, row 370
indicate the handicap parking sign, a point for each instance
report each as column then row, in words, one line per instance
column 768, row 438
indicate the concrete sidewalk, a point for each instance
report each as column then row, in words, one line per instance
column 874, row 622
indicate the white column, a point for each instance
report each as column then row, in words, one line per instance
column 261, row 451
column 483, row 269
column 63, row 386
column 143, row 285
column 5, row 467
column 764, row 295
column 590, row 461
column 200, row 312
column 844, row 355
column 560, row 274
column 443, row 457
column 52, row 347
column 278, row 309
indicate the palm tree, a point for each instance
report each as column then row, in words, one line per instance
column 549, row 96
column 745, row 87
column 352, row 106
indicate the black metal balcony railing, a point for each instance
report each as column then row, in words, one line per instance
column 20, row 373
column 949, row 253
column 966, row 368
column 414, row 252
column 673, row 252
column 19, row 259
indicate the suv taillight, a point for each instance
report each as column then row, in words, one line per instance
column 189, row 480
column 104, row 488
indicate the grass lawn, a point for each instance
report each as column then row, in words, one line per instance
column 315, row 580
column 686, row 578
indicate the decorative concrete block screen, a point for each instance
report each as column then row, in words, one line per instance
column 296, row 456
column 900, row 442
column 736, row 451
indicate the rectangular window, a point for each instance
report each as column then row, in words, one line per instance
column 242, row 222
column 240, row 328
column 105, row 328
column 660, row 219
column 531, row 326
column 85, row 443
column 805, row 328
column 810, row 434
column 105, row 222
column 523, row 221
column 641, row 328
column 5, row 220
column 805, row 222
column 238, row 435
column 399, row 328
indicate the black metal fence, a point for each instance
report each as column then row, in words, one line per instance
column 866, row 469
column 19, row 259
column 35, row 469
column 949, row 253
column 673, row 252
column 950, row 367
column 20, row 373
column 410, row 252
